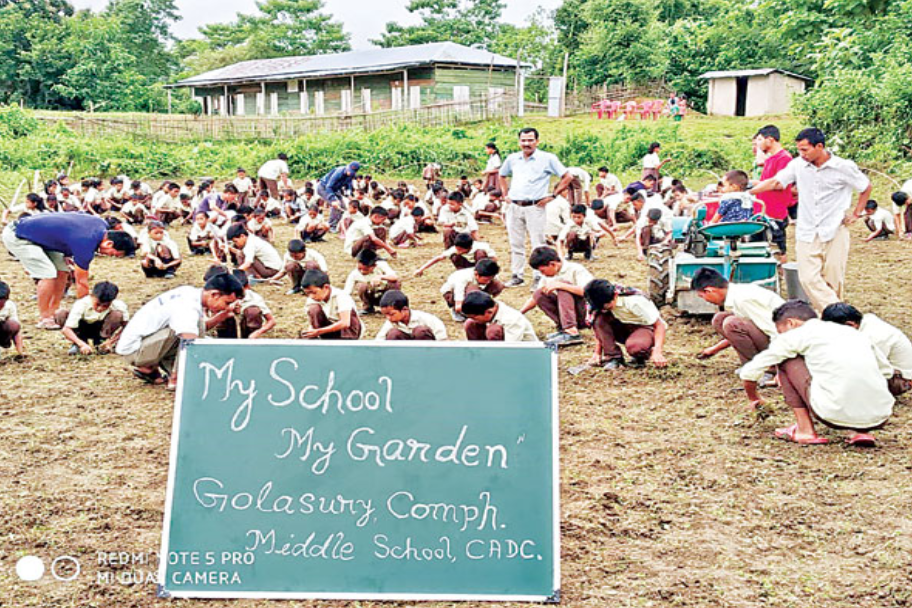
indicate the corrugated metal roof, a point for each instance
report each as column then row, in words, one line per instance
column 352, row 62
column 757, row 72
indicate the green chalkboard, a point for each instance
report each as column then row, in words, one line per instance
column 363, row 471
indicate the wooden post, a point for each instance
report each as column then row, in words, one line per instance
column 169, row 101
column 351, row 110
column 406, row 94
column 563, row 105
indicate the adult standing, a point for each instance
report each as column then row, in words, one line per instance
column 151, row 339
column 777, row 202
column 527, row 194
column 271, row 173
column 42, row 243
column 825, row 184
column 492, row 169
column 652, row 164
column 333, row 186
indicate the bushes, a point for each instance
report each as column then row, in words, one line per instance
column 16, row 123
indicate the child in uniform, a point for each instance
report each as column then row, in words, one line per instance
column 243, row 184
column 580, row 235
column 368, row 233
column 624, row 316
column 10, row 328
column 902, row 214
column 298, row 260
column 827, row 371
column 492, row 321
column 97, row 318
column 251, row 313
column 746, row 324
column 260, row 225
column 160, row 254
column 879, row 221
column 890, row 341
column 201, row 237
column 403, row 323
column 312, row 227
column 370, row 279
column 331, row 311
column 465, row 253
column 481, row 278
column 404, row 232
column 454, row 219
column 560, row 295
column 254, row 255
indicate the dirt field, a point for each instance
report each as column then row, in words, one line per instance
column 671, row 494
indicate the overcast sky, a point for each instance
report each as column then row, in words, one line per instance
column 363, row 19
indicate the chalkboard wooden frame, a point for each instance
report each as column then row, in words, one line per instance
column 554, row 597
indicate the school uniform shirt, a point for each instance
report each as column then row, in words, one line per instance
column 166, row 203
column 337, row 303
column 589, row 227
column 357, row 231
column 557, row 215
column 309, row 256
column 665, row 222
column 881, row 218
column 494, row 162
column 477, row 202
column 355, row 276
column 754, row 303
column 848, row 372
column 611, row 183
column 199, row 234
column 461, row 221
column 116, row 195
column 890, row 341
column 736, row 207
column 824, row 195
column 252, row 298
column 84, row 311
column 150, row 245
column 614, row 201
column 416, row 319
column 129, row 229
column 458, row 281
column 253, row 225
column 582, row 175
column 272, row 205
column 272, row 169
column 517, row 327
column 242, row 184
column 180, row 309
column 470, row 255
column 404, row 225
column 9, row 312
column 651, row 161
column 258, row 249
column 570, row 272
column 91, row 196
column 636, row 310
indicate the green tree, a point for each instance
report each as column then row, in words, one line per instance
column 146, row 26
column 469, row 22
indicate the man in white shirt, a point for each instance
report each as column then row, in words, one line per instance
column 271, row 173
column 825, row 183
column 746, row 324
column 150, row 340
column 403, row 323
column 827, row 371
column 890, row 341
column 527, row 194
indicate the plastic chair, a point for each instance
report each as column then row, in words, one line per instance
column 658, row 108
column 645, row 110
column 630, row 109
column 614, row 109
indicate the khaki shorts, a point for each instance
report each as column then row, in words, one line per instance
column 156, row 350
column 38, row 263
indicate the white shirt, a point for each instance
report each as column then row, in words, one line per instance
column 572, row 273
column 655, row 202
column 848, row 386
column 611, row 183
column 259, row 249
column 309, row 256
column 357, row 231
column 150, row 247
column 457, row 283
column 337, row 303
column 243, row 184
column 557, row 214
column 180, row 309
column 881, row 218
column 589, row 226
column 754, row 303
column 9, row 312
column 252, row 298
column 272, row 169
column 636, row 310
column 470, row 255
column 652, row 161
column 582, row 175
column 461, row 221
column 416, row 319
column 517, row 327
column 890, row 341
column 206, row 233
column 824, row 195
column 531, row 176
column 382, row 269
column 404, row 225
column 83, row 310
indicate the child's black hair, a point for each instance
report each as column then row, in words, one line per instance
column 297, row 246
column 395, row 299
column 236, row 230
column 842, row 313
column 598, row 204
column 794, row 309
column 418, row 212
column 380, row 211
column 900, row 198
column 241, row 276
column 477, row 303
column 463, row 240
column 368, row 257
column 105, row 291
column 121, row 241
column 486, row 267
column 738, row 178
column 314, row 278
column 456, row 196
column 654, row 214
column 599, row 293
column 871, row 205
column 578, row 210
column 542, row 256
column 225, row 283
column 212, row 271
column 707, row 277
column 4, row 291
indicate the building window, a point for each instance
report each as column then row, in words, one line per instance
column 291, row 86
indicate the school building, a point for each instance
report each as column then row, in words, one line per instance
column 753, row 92
column 356, row 82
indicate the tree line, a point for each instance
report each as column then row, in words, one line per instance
column 54, row 57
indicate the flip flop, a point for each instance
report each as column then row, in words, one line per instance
column 788, row 434
column 862, row 440
column 154, row 378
